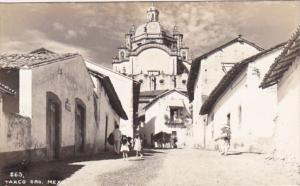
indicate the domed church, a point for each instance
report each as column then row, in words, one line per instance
column 154, row 56
column 157, row 58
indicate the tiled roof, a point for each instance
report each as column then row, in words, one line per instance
column 194, row 70
column 163, row 95
column 42, row 51
column 16, row 61
column 230, row 76
column 6, row 89
column 284, row 61
column 111, row 93
column 152, row 93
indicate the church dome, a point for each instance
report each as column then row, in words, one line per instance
column 149, row 28
column 152, row 26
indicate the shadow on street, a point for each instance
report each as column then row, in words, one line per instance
column 60, row 169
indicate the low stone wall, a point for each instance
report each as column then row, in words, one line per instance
column 16, row 144
column 16, row 139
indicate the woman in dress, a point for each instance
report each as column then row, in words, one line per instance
column 138, row 146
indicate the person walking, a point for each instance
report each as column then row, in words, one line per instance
column 124, row 147
column 223, row 140
column 117, row 139
column 138, row 146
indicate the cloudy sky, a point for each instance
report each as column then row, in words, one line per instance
column 95, row 30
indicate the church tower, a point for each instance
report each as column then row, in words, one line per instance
column 154, row 55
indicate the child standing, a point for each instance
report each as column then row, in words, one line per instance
column 124, row 147
column 138, row 146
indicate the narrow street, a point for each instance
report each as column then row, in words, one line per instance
column 186, row 167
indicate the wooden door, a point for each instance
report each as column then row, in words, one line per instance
column 79, row 128
column 53, row 129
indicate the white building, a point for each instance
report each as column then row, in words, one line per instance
column 285, row 72
column 127, row 90
column 55, row 111
column 206, row 72
column 166, row 113
column 238, row 102
column 109, row 110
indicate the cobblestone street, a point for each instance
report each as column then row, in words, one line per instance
column 168, row 167
column 186, row 167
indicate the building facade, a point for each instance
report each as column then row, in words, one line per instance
column 285, row 72
column 166, row 113
column 128, row 92
column 206, row 72
column 237, row 101
column 53, row 113
column 154, row 56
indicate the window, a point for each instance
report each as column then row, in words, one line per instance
column 184, row 55
column 124, row 70
column 175, row 113
column 161, row 81
column 96, row 107
column 228, row 119
column 122, row 55
column 212, row 117
column 183, row 81
column 240, row 115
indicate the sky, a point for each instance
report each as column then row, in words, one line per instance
column 96, row 30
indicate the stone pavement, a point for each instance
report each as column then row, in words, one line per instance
column 168, row 167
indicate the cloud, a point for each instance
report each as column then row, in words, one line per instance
column 71, row 34
column 58, row 26
column 34, row 39
column 97, row 29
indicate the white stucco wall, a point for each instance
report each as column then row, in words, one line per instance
column 25, row 94
column 105, row 110
column 154, row 59
column 155, row 118
column 73, row 82
column 287, row 135
column 167, row 84
column 149, row 59
column 210, row 73
column 124, row 88
column 255, row 129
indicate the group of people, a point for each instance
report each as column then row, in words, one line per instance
column 223, row 140
column 123, row 144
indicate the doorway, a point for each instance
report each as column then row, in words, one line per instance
column 105, row 135
column 53, row 126
column 80, row 119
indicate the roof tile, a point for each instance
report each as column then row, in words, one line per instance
column 285, row 59
column 32, row 59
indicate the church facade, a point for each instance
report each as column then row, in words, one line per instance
column 157, row 58
column 154, row 56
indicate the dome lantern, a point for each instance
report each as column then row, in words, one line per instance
column 152, row 14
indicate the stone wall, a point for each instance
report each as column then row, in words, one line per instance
column 15, row 139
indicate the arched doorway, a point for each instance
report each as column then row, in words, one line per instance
column 80, row 125
column 53, row 128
